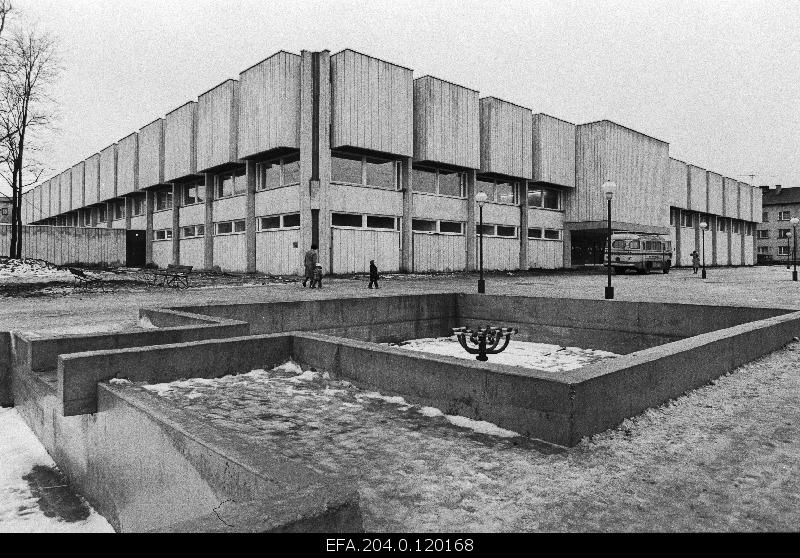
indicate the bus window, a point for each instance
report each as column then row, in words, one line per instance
column 633, row 245
column 620, row 244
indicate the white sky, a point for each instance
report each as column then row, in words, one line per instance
column 719, row 80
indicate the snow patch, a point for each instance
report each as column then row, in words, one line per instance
column 538, row 356
column 119, row 381
column 480, row 426
column 20, row 452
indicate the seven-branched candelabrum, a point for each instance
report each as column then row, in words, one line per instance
column 485, row 340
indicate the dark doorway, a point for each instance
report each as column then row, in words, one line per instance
column 588, row 246
column 135, row 248
column 314, row 227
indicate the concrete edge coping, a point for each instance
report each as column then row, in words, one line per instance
column 645, row 356
column 635, row 302
column 331, row 299
column 166, row 415
column 191, row 315
column 504, row 369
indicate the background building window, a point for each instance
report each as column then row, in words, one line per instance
column 783, row 250
column 544, row 198
column 451, row 227
column 763, row 250
column 194, row 193
column 423, row 225
column 424, row 181
column 784, row 215
column 291, row 170
column 163, row 200
column 763, row 234
column 380, row 222
column 765, row 217
column 782, row 233
column 347, row 220
column 346, row 169
column 291, row 220
column 268, row 223
column 381, row 174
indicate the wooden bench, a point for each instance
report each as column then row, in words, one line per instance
column 173, row 276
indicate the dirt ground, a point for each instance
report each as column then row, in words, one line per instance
column 725, row 457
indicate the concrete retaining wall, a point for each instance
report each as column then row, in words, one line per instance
column 145, row 466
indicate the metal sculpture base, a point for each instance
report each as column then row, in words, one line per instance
column 484, row 340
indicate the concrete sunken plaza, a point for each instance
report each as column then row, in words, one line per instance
column 738, row 321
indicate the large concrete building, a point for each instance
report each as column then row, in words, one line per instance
column 779, row 206
column 356, row 155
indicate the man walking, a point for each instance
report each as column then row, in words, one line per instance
column 309, row 263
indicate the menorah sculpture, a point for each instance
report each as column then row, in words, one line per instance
column 485, row 340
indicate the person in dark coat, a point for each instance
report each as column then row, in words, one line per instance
column 309, row 262
column 695, row 260
column 373, row 274
column 316, row 276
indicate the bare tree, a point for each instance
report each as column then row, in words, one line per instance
column 31, row 67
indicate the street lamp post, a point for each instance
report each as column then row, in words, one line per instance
column 480, row 199
column 789, row 236
column 703, row 227
column 794, row 221
column 609, row 188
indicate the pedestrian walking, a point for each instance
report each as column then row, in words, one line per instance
column 309, row 262
column 373, row 274
column 695, row 260
column 316, row 276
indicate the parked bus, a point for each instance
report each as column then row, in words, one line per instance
column 641, row 252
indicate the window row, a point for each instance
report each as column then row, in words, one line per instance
column 434, row 227
column 360, row 170
column 546, row 234
column 359, row 221
column 505, row 231
column 273, row 222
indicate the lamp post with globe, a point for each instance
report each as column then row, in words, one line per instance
column 609, row 189
column 480, row 199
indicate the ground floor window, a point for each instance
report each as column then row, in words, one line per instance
column 763, row 234
column 547, row 234
column 230, row 227
column 504, row 231
column 783, row 250
column 357, row 221
column 162, row 234
column 193, row 231
column 434, row 227
column 763, row 250
column 275, row 222
column 783, row 233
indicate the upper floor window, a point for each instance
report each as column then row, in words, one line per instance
column 687, row 219
column 102, row 216
column 231, row 183
column 765, row 217
column 442, row 182
column 736, row 226
column 498, row 191
column 763, row 234
column 119, row 209
column 543, row 198
column 139, row 205
column 164, row 199
column 278, row 172
column 349, row 168
column 784, row 215
column 783, row 233
column 194, row 192
column 721, row 224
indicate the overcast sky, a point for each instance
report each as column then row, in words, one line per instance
column 719, row 80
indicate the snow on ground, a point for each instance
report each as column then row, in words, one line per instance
column 540, row 356
column 28, row 270
column 29, row 502
column 722, row 458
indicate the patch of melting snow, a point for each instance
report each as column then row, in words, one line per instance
column 21, row 511
column 538, row 356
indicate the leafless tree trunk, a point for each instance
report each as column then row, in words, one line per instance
column 30, row 68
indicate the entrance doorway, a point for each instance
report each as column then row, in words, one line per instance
column 588, row 246
column 135, row 248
